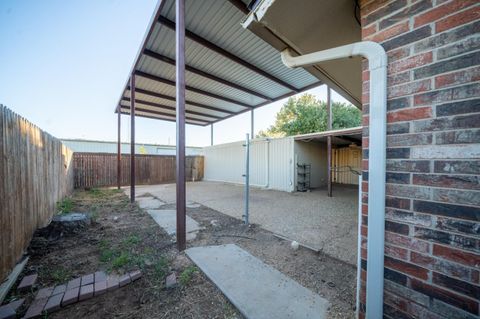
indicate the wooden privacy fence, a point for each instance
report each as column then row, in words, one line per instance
column 100, row 169
column 35, row 173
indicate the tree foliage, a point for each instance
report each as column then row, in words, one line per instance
column 306, row 114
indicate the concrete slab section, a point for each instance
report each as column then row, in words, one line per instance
column 149, row 202
column 256, row 289
column 191, row 204
column 167, row 219
column 327, row 224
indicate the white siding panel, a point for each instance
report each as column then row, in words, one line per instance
column 281, row 167
column 271, row 163
column 225, row 163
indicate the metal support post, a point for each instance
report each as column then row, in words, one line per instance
column 180, row 98
column 329, row 142
column 132, row 138
column 247, row 178
column 119, row 149
column 211, row 134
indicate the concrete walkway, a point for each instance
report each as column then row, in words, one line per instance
column 256, row 289
column 324, row 223
column 167, row 219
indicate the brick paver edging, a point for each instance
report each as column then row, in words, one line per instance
column 51, row 299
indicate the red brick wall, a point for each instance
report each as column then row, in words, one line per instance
column 432, row 247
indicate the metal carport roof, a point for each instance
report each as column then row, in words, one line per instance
column 229, row 70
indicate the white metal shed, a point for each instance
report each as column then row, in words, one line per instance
column 273, row 161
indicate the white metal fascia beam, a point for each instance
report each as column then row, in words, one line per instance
column 377, row 60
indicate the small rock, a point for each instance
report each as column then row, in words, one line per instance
column 214, row 222
column 115, row 219
column 171, row 281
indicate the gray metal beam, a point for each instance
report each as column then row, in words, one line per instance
column 163, row 58
column 202, row 41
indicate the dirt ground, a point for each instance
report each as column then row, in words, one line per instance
column 328, row 224
column 123, row 237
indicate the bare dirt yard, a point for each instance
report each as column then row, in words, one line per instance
column 123, row 237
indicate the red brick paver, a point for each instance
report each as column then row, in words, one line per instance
column 59, row 289
column 44, row 293
column 87, row 279
column 16, row 304
column 7, row 312
column 71, row 296
column 134, row 275
column 112, row 283
column 36, row 308
column 100, row 276
column 86, row 292
column 74, row 283
column 54, row 303
column 124, row 280
column 27, row 282
column 100, row 288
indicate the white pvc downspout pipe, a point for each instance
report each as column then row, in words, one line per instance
column 377, row 64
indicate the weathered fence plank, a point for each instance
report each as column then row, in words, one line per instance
column 100, row 169
column 35, row 173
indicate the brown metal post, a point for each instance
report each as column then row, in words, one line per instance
column 119, row 149
column 329, row 142
column 180, row 92
column 132, row 138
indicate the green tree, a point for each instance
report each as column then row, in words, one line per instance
column 306, row 114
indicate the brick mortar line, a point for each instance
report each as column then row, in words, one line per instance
column 455, row 56
column 464, row 129
column 439, row 271
column 433, row 227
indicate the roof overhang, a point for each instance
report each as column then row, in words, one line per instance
column 229, row 69
column 313, row 25
column 347, row 136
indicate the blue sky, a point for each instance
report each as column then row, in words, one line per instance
column 63, row 65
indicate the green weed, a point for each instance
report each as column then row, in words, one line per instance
column 65, row 206
column 160, row 268
column 187, row 274
column 122, row 260
column 60, row 275
column 131, row 240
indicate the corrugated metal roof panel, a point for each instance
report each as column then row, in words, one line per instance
column 170, row 91
column 167, row 71
column 170, row 103
column 217, row 22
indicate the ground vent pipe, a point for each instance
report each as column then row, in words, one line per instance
column 377, row 60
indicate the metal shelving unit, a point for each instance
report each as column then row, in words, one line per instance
column 303, row 177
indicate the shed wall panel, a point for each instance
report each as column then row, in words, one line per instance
column 271, row 163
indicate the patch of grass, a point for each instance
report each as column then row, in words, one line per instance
column 187, row 274
column 65, row 206
column 131, row 241
column 122, row 260
column 160, row 268
column 103, row 192
column 60, row 275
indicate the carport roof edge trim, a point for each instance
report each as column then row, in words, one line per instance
column 210, row 85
